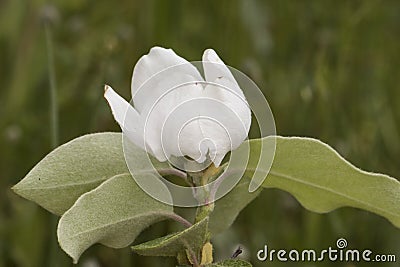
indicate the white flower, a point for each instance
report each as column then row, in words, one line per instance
column 176, row 112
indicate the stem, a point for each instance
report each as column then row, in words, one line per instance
column 193, row 258
column 180, row 219
column 53, row 87
column 199, row 179
column 175, row 172
column 53, row 253
column 207, row 204
column 216, row 185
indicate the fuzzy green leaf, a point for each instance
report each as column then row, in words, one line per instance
column 191, row 239
column 322, row 180
column 112, row 214
column 74, row 168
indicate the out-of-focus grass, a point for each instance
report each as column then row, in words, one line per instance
column 330, row 70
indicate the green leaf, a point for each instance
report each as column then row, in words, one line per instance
column 231, row 263
column 112, row 214
column 191, row 239
column 322, row 180
column 228, row 207
column 73, row 169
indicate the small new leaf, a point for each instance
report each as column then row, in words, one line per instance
column 191, row 239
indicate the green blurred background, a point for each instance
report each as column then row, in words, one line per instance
column 330, row 70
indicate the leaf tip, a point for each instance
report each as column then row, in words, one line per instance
column 70, row 251
column 17, row 189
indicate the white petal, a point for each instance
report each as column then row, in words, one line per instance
column 235, row 117
column 167, row 130
column 156, row 73
column 218, row 159
column 215, row 70
column 126, row 116
column 161, row 81
column 166, row 89
column 229, row 91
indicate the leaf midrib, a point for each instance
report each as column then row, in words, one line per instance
column 66, row 185
column 147, row 214
column 165, row 169
column 87, row 182
column 288, row 177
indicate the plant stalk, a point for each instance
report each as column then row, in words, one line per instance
column 53, row 253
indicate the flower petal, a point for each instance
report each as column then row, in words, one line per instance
column 215, row 70
column 176, row 114
column 161, row 81
column 158, row 72
column 167, row 129
column 236, row 117
column 126, row 116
